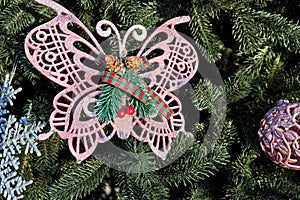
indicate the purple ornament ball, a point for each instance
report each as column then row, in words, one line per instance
column 279, row 134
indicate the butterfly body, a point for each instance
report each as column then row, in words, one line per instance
column 125, row 125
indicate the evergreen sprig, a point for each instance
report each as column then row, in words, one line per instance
column 78, row 182
column 144, row 189
column 201, row 29
column 198, row 162
column 14, row 19
column 112, row 98
column 134, row 12
column 208, row 96
column 200, row 193
column 108, row 103
column 143, row 110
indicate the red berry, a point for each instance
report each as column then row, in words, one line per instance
column 130, row 110
column 121, row 113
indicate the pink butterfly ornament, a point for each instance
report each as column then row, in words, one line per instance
column 51, row 48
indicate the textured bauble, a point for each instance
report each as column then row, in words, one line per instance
column 279, row 134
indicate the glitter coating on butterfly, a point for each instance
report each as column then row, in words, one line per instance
column 53, row 50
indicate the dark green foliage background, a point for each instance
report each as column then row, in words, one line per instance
column 256, row 46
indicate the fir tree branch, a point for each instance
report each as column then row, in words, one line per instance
column 197, row 164
column 208, row 96
column 200, row 193
column 144, row 189
column 88, row 4
column 13, row 20
column 50, row 152
column 79, row 182
column 254, row 67
column 108, row 103
column 201, row 29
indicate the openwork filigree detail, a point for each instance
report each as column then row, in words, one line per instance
column 279, row 134
column 53, row 49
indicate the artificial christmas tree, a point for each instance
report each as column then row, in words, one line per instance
column 255, row 45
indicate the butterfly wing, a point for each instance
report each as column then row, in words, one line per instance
column 177, row 61
column 73, row 119
column 86, row 131
column 159, row 131
column 50, row 47
column 175, row 65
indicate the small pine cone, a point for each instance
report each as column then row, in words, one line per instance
column 113, row 63
column 132, row 62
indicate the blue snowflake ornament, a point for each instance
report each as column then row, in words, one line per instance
column 13, row 135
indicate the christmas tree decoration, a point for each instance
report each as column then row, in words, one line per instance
column 279, row 134
column 15, row 134
column 131, row 94
column 121, row 113
column 130, row 110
